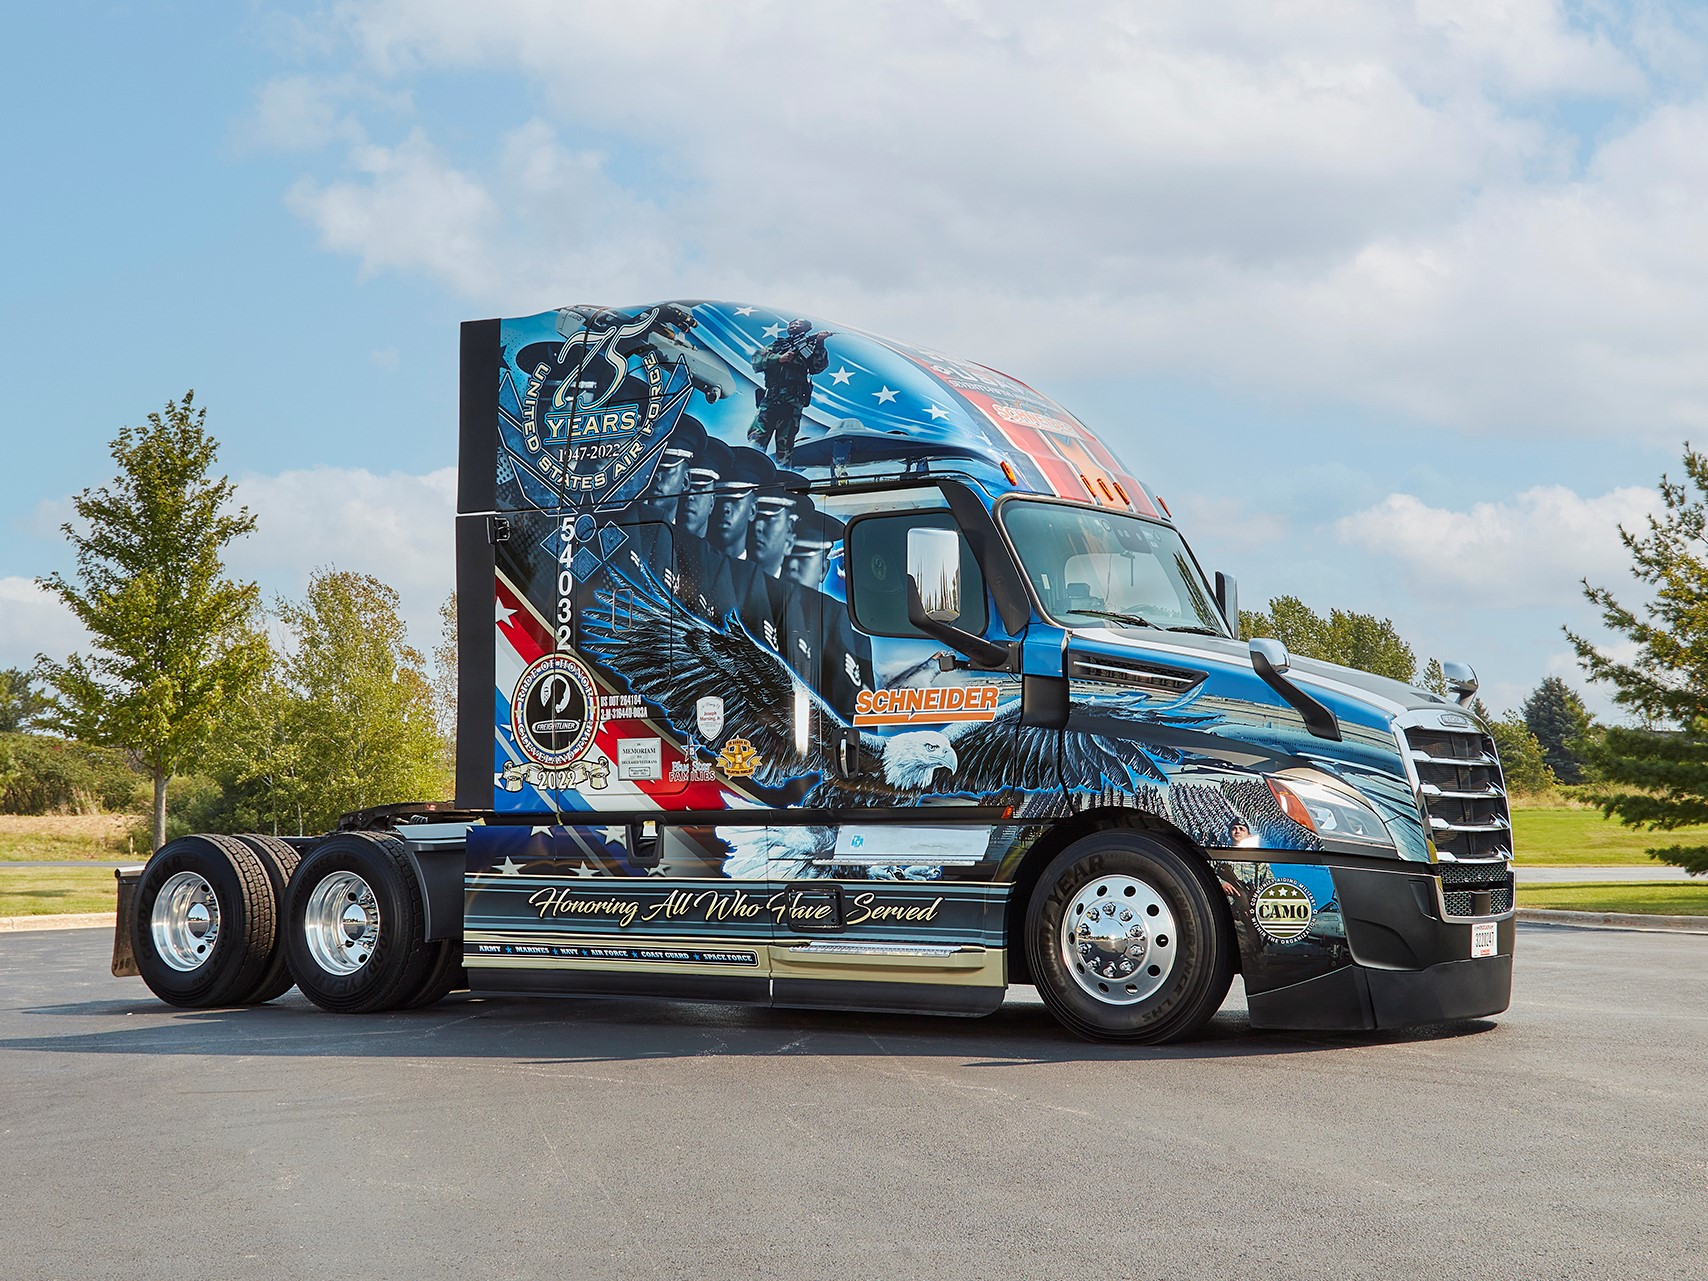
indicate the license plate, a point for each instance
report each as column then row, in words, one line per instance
column 1483, row 939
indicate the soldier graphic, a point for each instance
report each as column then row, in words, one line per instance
column 788, row 364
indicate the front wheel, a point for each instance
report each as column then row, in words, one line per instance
column 355, row 925
column 1127, row 940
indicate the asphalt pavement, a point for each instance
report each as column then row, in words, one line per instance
column 511, row 1138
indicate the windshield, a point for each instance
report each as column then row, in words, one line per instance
column 1090, row 567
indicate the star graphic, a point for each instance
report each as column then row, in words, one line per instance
column 613, row 835
column 884, row 396
column 537, row 830
column 936, row 411
column 842, row 375
column 509, row 867
column 771, row 331
column 505, row 614
column 744, row 311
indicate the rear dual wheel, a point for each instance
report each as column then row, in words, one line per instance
column 355, row 929
column 1128, row 940
column 279, row 859
column 205, row 926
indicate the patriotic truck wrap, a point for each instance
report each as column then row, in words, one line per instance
column 805, row 667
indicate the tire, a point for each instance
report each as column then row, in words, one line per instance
column 194, row 889
column 354, row 925
column 444, row 976
column 1150, row 952
column 280, row 860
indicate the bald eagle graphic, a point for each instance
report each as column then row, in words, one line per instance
column 673, row 659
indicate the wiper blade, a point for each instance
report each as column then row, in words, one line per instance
column 1132, row 620
column 1197, row 631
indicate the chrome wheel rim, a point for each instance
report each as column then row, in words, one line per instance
column 342, row 923
column 185, row 921
column 1118, row 940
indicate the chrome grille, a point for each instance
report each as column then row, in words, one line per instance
column 1153, row 678
column 1464, row 903
column 1464, row 795
column 1476, row 889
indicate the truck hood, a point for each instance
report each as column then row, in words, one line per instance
column 1379, row 693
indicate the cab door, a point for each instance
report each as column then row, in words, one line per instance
column 885, row 894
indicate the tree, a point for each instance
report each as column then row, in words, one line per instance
column 1434, row 678
column 359, row 714
column 20, row 703
column 1557, row 717
column 255, row 764
column 1362, row 641
column 1656, row 777
column 173, row 640
column 1521, row 758
column 445, row 668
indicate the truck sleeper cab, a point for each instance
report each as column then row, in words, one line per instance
column 805, row 667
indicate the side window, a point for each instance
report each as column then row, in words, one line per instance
column 877, row 574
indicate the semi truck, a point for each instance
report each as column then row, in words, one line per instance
column 804, row 667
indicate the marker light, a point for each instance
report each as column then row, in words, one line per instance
column 1290, row 803
column 1088, row 488
column 1123, row 494
column 1104, row 486
column 1008, row 471
column 1160, row 503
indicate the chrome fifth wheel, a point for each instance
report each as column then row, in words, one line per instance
column 1128, row 938
column 354, row 925
column 204, row 923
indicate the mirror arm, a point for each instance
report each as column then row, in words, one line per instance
column 993, row 655
column 1318, row 719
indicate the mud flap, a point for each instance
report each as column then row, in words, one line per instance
column 124, row 960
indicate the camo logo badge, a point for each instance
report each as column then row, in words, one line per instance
column 1283, row 911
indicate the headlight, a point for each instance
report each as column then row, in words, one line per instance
column 1330, row 813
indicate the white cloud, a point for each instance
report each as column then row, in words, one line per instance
column 33, row 622
column 410, row 212
column 1337, row 200
column 298, row 113
column 397, row 527
column 1531, row 550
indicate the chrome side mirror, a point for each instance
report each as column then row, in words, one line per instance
column 934, row 565
column 1462, row 680
column 1273, row 652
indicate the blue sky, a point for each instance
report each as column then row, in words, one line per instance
column 1402, row 307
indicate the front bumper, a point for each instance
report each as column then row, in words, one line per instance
column 1404, row 962
column 1356, row 998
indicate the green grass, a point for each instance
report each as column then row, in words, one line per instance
column 1562, row 836
column 1649, row 898
column 43, row 891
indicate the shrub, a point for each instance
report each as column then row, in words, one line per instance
column 41, row 774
